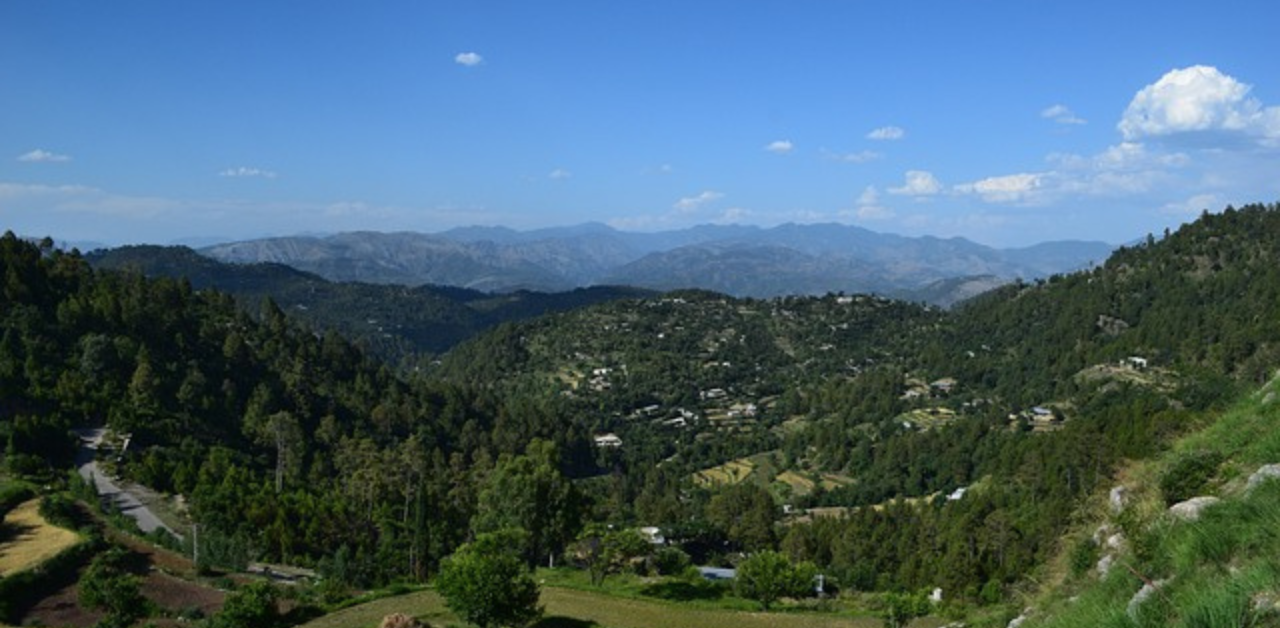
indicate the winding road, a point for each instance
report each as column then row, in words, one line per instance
column 123, row 500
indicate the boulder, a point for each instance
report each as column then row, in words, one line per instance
column 1101, row 534
column 1104, row 565
column 1119, row 498
column 1191, row 509
column 1264, row 473
column 1141, row 596
column 400, row 620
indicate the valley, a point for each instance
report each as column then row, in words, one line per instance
column 895, row 447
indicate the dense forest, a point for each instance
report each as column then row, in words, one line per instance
column 894, row 445
column 401, row 325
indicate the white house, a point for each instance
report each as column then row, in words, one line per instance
column 608, row 440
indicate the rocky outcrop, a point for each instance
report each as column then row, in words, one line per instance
column 1118, row 499
column 1143, row 594
column 1191, row 509
column 1263, row 474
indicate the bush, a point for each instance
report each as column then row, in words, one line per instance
column 901, row 608
column 1083, row 557
column 671, row 561
column 1188, row 475
column 108, row 586
column 769, row 576
column 60, row 510
column 487, row 584
column 253, row 606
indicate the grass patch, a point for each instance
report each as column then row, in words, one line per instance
column 572, row 608
column 27, row 540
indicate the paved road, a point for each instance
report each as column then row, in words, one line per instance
column 123, row 500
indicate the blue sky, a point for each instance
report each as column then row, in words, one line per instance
column 1004, row 122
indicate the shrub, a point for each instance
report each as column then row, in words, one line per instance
column 1083, row 557
column 671, row 561
column 1188, row 475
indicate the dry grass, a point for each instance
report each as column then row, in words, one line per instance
column 799, row 484
column 730, row 472
column 26, row 539
column 570, row 607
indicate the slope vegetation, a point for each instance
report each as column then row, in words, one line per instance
column 1149, row 558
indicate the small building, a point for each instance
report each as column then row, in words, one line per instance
column 1138, row 362
column 718, row 573
column 608, row 440
column 653, row 535
column 714, row 393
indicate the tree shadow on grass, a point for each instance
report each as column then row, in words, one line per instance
column 556, row 621
column 681, row 591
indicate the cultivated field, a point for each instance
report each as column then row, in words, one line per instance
column 26, row 539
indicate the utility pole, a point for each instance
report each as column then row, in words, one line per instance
column 195, row 547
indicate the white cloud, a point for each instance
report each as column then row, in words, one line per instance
column 12, row 191
column 1062, row 115
column 734, row 215
column 860, row 157
column 1193, row 206
column 469, row 59
column 244, row 171
column 559, row 173
column 780, row 147
column 1199, row 99
column 887, row 133
column 918, row 183
column 40, row 155
column 868, row 207
column 1014, row 188
column 81, row 199
column 692, row 203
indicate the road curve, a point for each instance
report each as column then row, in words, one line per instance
column 123, row 500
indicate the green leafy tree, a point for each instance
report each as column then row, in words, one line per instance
column 768, row 576
column 107, row 586
column 745, row 512
column 901, row 608
column 253, row 606
column 606, row 551
column 530, row 493
column 486, row 583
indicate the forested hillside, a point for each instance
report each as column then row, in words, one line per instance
column 838, row 428
column 394, row 323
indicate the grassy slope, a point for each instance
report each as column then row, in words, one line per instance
column 29, row 540
column 1222, row 570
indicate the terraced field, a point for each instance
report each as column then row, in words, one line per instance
column 26, row 539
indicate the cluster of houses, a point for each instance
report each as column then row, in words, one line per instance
column 1041, row 419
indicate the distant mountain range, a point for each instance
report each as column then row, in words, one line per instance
column 741, row 261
